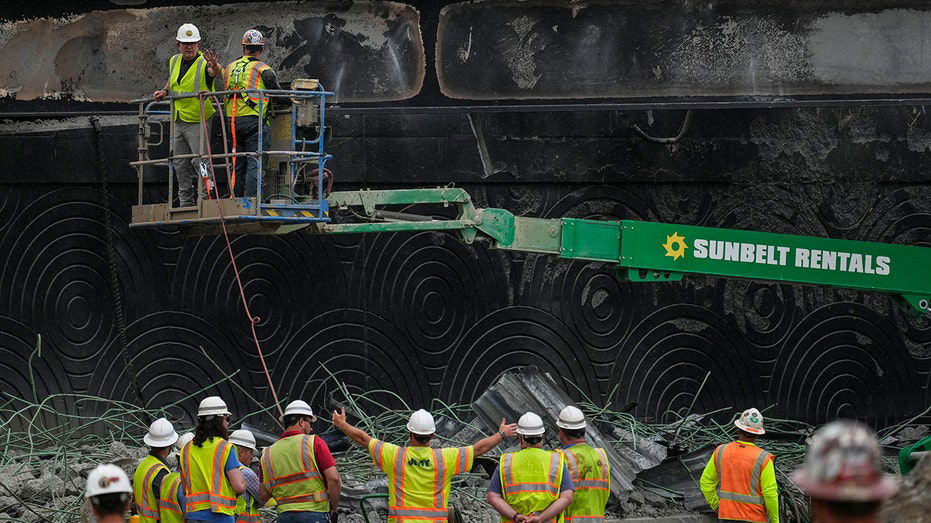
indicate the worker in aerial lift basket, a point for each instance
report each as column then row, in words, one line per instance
column 152, row 470
column 842, row 474
column 108, row 491
column 243, row 111
column 419, row 475
column 210, row 474
column 739, row 481
column 189, row 72
column 531, row 485
column 588, row 466
column 299, row 471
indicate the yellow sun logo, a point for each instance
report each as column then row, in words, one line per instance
column 675, row 246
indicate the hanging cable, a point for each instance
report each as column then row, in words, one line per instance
column 229, row 248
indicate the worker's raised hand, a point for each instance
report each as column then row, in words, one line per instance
column 213, row 61
column 339, row 418
column 509, row 430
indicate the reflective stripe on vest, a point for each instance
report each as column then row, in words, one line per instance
column 193, row 81
column 530, row 479
column 418, row 482
column 739, row 488
column 169, row 510
column 207, row 488
column 246, row 513
column 591, row 474
column 290, row 474
column 246, row 74
column 146, row 502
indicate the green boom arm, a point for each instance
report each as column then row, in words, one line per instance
column 652, row 251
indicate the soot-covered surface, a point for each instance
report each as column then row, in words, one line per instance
column 426, row 316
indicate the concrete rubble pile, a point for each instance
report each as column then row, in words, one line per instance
column 45, row 453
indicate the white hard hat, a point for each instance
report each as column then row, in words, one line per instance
column 212, row 406
column 571, row 418
column 188, row 33
column 161, row 434
column 421, row 423
column 530, row 425
column 185, row 439
column 298, row 407
column 243, row 438
column 107, row 479
column 253, row 37
column 751, row 421
column 843, row 464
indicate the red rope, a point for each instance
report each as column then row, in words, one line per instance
column 229, row 248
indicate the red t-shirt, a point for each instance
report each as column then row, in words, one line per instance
column 322, row 455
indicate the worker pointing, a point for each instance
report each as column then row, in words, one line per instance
column 531, row 485
column 210, row 474
column 299, row 471
column 419, row 476
column 189, row 72
column 152, row 470
column 588, row 467
column 744, row 475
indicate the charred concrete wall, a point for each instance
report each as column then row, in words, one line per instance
column 427, row 316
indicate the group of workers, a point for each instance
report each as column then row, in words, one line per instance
column 193, row 71
column 215, row 481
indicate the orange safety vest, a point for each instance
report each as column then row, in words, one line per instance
column 740, row 467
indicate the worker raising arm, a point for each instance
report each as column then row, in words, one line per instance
column 419, row 476
column 189, row 72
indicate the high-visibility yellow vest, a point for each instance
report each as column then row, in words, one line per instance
column 740, row 467
column 169, row 509
column 246, row 73
column 419, row 479
column 146, row 502
column 591, row 474
column 290, row 475
column 530, row 480
column 193, row 81
column 203, row 477
column 247, row 513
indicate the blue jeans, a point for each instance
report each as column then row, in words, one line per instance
column 295, row 516
column 247, row 140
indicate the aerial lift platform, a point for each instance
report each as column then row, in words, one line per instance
column 293, row 195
